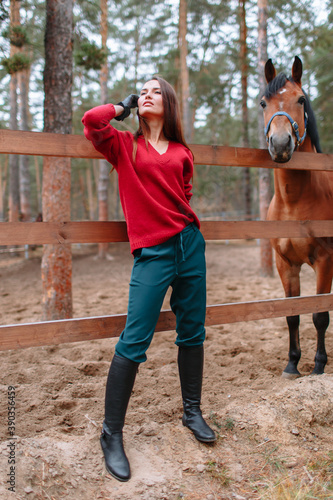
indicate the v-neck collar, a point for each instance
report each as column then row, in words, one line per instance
column 160, row 154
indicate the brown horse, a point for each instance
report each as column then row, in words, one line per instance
column 299, row 195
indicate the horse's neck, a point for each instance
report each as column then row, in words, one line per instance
column 307, row 146
column 290, row 185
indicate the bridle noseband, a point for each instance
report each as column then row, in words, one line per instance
column 293, row 124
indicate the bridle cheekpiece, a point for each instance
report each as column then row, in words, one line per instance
column 293, row 124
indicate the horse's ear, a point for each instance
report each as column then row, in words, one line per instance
column 270, row 72
column 297, row 70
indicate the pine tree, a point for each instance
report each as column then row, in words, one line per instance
column 104, row 167
column 245, row 117
column 57, row 259
column 13, row 67
column 265, row 195
column 184, row 72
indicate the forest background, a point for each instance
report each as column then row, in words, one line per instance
column 141, row 39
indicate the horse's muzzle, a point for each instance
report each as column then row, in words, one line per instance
column 281, row 147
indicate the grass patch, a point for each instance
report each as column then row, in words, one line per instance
column 227, row 425
column 313, row 481
column 218, row 471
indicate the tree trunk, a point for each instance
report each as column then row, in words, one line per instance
column 91, row 204
column 184, row 73
column 24, row 160
column 262, row 58
column 83, row 197
column 3, row 185
column 14, row 179
column 38, row 187
column 14, row 186
column 57, row 259
column 104, row 166
column 23, row 80
column 245, row 114
column 265, row 195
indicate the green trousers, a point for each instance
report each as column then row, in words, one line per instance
column 179, row 263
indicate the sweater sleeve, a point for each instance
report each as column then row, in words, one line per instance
column 97, row 129
column 188, row 174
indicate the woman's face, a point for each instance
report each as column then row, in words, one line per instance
column 150, row 101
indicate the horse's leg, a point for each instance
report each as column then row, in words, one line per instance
column 321, row 320
column 290, row 279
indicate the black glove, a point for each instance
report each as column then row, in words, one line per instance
column 130, row 102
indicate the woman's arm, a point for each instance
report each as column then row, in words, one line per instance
column 118, row 109
column 99, row 131
column 188, row 174
column 97, row 128
column 99, row 117
column 127, row 104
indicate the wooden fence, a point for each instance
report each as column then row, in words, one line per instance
column 75, row 330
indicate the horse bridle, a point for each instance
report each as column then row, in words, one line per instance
column 293, row 124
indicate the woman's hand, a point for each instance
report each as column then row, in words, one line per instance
column 127, row 104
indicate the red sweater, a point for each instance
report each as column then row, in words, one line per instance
column 154, row 190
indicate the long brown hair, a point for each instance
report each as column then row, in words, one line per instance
column 172, row 127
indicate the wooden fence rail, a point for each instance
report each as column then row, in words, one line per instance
column 77, row 146
column 37, row 233
column 75, row 330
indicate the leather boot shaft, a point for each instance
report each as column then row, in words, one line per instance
column 119, row 387
column 190, row 365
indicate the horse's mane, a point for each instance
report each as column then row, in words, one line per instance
column 275, row 85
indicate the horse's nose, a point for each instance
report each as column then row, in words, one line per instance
column 280, row 142
column 281, row 147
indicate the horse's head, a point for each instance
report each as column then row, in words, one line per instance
column 284, row 111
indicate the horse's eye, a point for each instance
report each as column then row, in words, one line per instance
column 263, row 104
column 301, row 100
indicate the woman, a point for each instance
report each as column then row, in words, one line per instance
column 154, row 169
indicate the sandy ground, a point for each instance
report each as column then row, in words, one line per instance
column 272, row 433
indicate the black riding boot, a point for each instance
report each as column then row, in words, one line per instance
column 190, row 364
column 119, row 387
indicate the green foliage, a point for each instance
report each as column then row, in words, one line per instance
column 167, row 68
column 18, row 62
column 4, row 14
column 16, row 35
column 90, row 56
column 321, row 66
column 86, row 15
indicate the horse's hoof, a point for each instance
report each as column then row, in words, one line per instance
column 317, row 372
column 290, row 376
column 319, row 366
